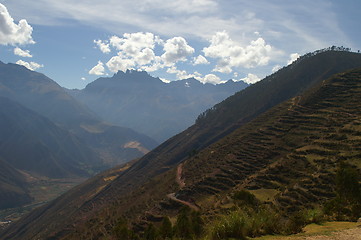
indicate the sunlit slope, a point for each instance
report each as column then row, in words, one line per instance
column 292, row 150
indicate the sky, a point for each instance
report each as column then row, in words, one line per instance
column 76, row 42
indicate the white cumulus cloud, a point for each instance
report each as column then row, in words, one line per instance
column 176, row 49
column 22, row 53
column 103, row 46
column 118, row 63
column 293, row 57
column 30, row 65
column 132, row 43
column 182, row 74
column 200, row 60
column 276, row 68
column 98, row 69
column 144, row 57
column 135, row 50
column 210, row 78
column 12, row 33
column 230, row 54
column 251, row 78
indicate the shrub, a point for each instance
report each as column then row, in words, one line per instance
column 315, row 215
column 151, row 233
column 230, row 226
column 189, row 224
column 245, row 197
column 247, row 222
column 121, row 230
column 166, row 230
column 347, row 204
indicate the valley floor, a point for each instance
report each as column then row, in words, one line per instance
column 42, row 190
column 325, row 231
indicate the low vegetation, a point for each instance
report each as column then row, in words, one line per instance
column 346, row 206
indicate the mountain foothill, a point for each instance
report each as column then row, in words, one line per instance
column 278, row 150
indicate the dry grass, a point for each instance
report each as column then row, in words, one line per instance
column 328, row 230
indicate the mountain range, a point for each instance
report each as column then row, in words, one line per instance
column 160, row 110
column 44, row 96
column 281, row 139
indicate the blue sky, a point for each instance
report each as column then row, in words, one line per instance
column 75, row 42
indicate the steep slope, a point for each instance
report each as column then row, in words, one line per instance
column 32, row 143
column 136, row 100
column 293, row 149
column 42, row 95
column 13, row 187
column 147, row 188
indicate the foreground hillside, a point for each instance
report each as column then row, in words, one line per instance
column 285, row 148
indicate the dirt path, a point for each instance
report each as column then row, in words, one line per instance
column 181, row 183
column 191, row 205
column 179, row 178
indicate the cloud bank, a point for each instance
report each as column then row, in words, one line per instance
column 30, row 65
column 230, row 54
column 22, row 53
column 98, row 69
column 149, row 52
column 12, row 33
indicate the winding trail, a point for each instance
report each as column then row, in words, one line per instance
column 182, row 184
column 179, row 178
column 173, row 197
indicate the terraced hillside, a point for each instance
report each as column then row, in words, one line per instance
column 282, row 155
column 289, row 153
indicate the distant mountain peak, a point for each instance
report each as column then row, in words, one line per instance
column 139, row 101
column 132, row 73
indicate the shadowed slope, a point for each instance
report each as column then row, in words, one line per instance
column 32, row 143
column 44, row 96
column 13, row 187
